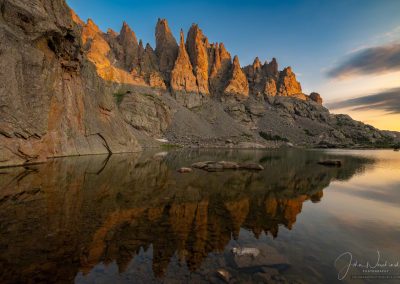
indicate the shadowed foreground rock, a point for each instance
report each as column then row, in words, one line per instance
column 52, row 103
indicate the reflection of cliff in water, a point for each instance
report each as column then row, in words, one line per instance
column 70, row 214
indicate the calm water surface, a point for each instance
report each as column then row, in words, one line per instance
column 134, row 219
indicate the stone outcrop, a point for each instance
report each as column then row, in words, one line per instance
column 107, row 55
column 182, row 78
column 119, row 58
column 287, row 84
column 263, row 78
column 270, row 87
column 52, row 102
column 166, row 47
column 148, row 66
column 254, row 69
column 316, row 98
column 237, row 84
column 196, row 45
column 271, row 69
column 146, row 112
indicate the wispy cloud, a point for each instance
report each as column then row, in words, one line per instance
column 393, row 34
column 380, row 59
column 388, row 101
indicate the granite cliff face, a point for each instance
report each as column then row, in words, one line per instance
column 52, row 103
column 68, row 88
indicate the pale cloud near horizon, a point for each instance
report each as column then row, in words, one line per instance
column 359, row 86
column 393, row 34
column 360, row 59
column 387, row 100
column 370, row 60
column 365, row 70
column 365, row 82
column 381, row 109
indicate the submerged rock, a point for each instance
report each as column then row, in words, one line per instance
column 212, row 166
column 246, row 251
column 184, row 170
column 266, row 256
column 201, row 165
column 229, row 165
column 251, row 166
column 224, row 275
column 250, row 145
column 336, row 163
column 267, row 274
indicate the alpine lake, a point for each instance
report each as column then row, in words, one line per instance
column 132, row 218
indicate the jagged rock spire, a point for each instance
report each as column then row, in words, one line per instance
column 238, row 84
column 127, row 39
column 112, row 33
column 181, row 39
column 287, row 84
column 196, row 46
column 197, row 65
column 89, row 31
column 127, row 34
column 256, row 64
column 271, row 69
column 166, row 47
column 220, row 68
column 182, row 77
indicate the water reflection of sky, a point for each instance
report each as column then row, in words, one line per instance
column 138, row 220
column 360, row 216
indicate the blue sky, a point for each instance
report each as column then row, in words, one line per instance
column 311, row 36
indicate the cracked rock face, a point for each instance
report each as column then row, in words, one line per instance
column 52, row 102
column 146, row 113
